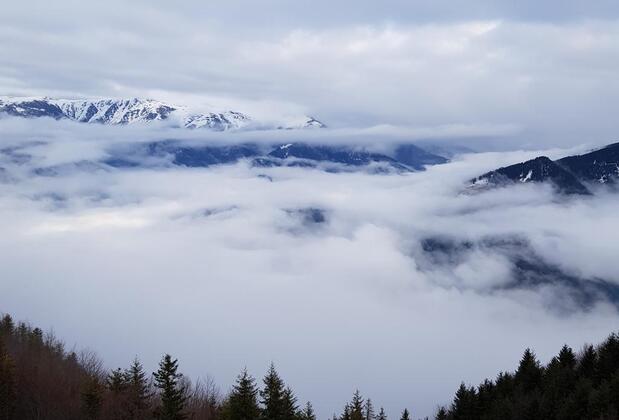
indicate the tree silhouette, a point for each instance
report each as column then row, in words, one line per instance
column 381, row 414
column 308, row 412
column 7, row 383
column 172, row 393
column 405, row 415
column 138, row 391
column 242, row 402
column 92, row 398
column 272, row 396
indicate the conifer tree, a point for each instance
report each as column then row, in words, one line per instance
column 368, row 409
column 405, row 415
column 356, row 406
column 463, row 407
column 587, row 365
column 22, row 331
column 381, row 414
column 308, row 412
column 272, row 396
column 138, row 390
column 36, row 338
column 608, row 358
column 441, row 414
column 529, row 373
column 346, row 414
column 6, row 325
column 567, row 359
column 290, row 405
column 92, row 398
column 171, row 392
column 242, row 403
column 8, row 392
column 117, row 381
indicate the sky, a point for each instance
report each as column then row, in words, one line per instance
column 548, row 69
column 215, row 266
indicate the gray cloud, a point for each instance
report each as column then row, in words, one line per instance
column 549, row 69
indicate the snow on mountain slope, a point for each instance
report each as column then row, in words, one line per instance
column 569, row 175
column 135, row 110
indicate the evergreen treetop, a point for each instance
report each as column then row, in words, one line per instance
column 242, row 403
column 172, row 393
column 405, row 415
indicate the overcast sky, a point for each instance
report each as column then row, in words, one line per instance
column 547, row 68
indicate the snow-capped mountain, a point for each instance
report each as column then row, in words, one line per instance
column 129, row 111
column 569, row 175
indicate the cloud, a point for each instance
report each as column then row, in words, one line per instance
column 213, row 266
column 548, row 70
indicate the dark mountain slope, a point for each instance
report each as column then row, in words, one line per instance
column 569, row 175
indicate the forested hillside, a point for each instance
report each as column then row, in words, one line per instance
column 571, row 386
column 40, row 379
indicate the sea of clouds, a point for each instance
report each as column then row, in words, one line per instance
column 221, row 267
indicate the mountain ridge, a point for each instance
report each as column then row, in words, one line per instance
column 576, row 174
column 328, row 157
column 114, row 111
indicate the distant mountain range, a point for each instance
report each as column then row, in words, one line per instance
column 174, row 153
column 332, row 158
column 577, row 174
column 134, row 110
column 336, row 158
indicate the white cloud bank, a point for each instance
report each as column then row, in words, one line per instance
column 127, row 263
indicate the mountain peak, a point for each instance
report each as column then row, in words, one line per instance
column 135, row 110
column 570, row 175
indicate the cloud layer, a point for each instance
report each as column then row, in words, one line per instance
column 216, row 266
column 549, row 70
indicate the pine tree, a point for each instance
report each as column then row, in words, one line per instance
column 172, row 392
column 441, row 414
column 36, row 338
column 138, row 391
column 369, row 410
column 346, row 414
column 92, row 398
column 608, row 358
column 7, row 326
column 8, row 392
column 567, row 359
column 381, row 414
column 405, row 415
column 308, row 412
column 587, row 365
column 117, row 381
column 485, row 395
column 529, row 373
column 242, row 403
column 290, row 405
column 464, row 407
column 272, row 396
column 356, row 406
